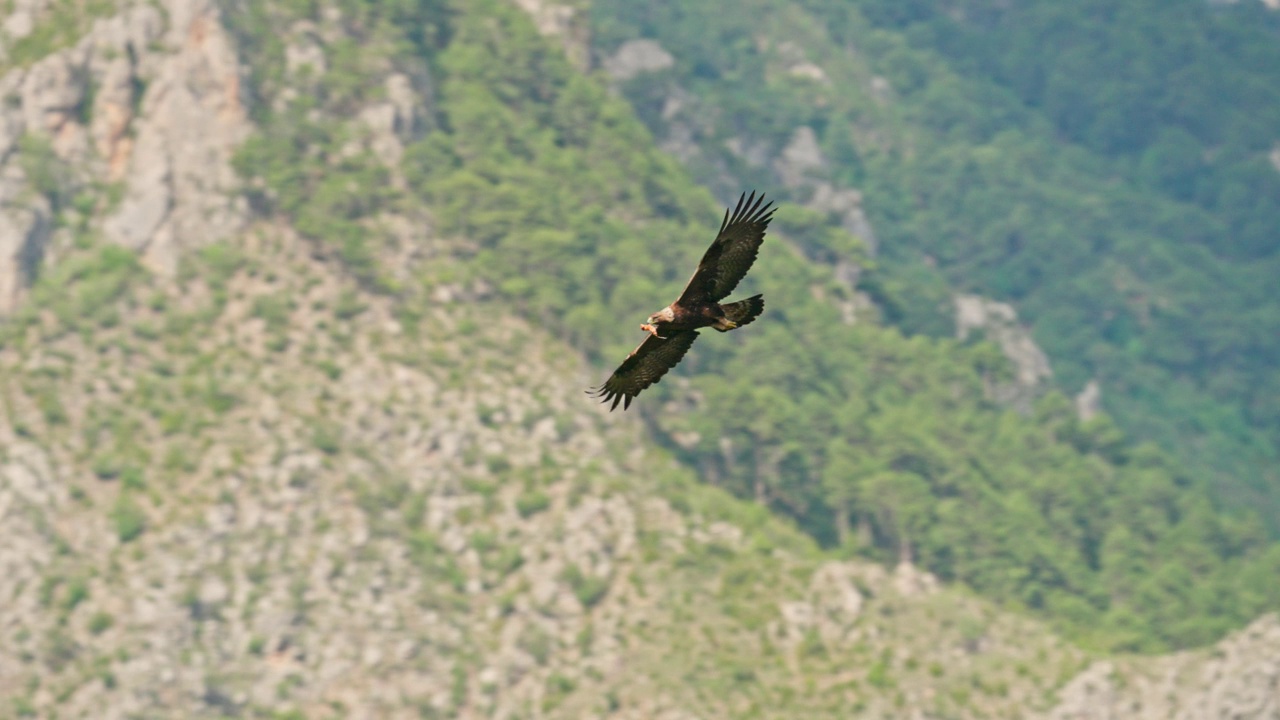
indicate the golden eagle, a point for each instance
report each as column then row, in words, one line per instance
column 673, row 329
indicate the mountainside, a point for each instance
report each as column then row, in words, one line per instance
column 250, row 491
column 298, row 303
column 1122, row 192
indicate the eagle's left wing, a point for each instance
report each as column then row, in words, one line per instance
column 643, row 367
column 730, row 256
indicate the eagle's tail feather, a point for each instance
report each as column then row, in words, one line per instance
column 740, row 313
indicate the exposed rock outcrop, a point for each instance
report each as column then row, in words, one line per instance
column 396, row 121
column 800, row 166
column 1089, row 401
column 149, row 100
column 1238, row 678
column 636, row 57
column 190, row 120
column 565, row 22
column 999, row 323
column 26, row 226
column 796, row 62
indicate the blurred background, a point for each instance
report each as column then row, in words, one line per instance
column 298, row 299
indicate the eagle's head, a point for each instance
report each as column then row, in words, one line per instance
column 666, row 314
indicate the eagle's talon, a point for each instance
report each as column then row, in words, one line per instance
column 652, row 331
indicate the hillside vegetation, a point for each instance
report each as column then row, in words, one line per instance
column 253, row 492
column 885, row 445
column 1110, row 170
column 337, row 461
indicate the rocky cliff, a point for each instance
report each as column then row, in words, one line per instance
column 237, row 481
column 1238, row 678
column 145, row 109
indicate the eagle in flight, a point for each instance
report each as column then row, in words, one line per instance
column 673, row 329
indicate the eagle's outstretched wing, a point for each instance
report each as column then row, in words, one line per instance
column 731, row 255
column 643, row 367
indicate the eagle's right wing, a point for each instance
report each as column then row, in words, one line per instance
column 732, row 253
column 643, row 367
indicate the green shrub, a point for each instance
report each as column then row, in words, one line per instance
column 326, row 437
column 77, row 592
column 558, row 688
column 349, row 305
column 128, row 518
column 589, row 589
column 532, row 502
column 100, row 622
column 107, row 466
column 131, row 478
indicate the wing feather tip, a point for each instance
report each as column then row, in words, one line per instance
column 750, row 209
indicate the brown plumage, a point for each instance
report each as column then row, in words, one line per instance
column 673, row 329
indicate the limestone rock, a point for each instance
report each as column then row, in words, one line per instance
column 809, row 71
column 1089, row 401
column 164, row 73
column 395, row 122
column 192, row 118
column 1237, row 678
column 796, row 62
column 304, row 52
column 847, row 204
column 21, row 21
column 636, row 57
column 564, row 22
column 800, row 158
column 999, row 322
column 831, row 608
column 911, row 581
column 800, row 166
column 755, row 154
column 26, row 226
column 836, row 601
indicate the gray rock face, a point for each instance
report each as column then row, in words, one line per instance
column 396, row 121
column 564, row 22
column 800, row 166
column 847, row 204
column 191, row 119
column 150, row 98
column 799, row 158
column 797, row 63
column 26, row 225
column 1238, row 678
column 636, row 57
column 21, row 21
column 30, row 493
column 999, row 322
column 1089, row 401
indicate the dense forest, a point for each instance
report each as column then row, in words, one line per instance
column 1104, row 167
column 877, row 437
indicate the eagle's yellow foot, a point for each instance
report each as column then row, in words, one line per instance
column 724, row 325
